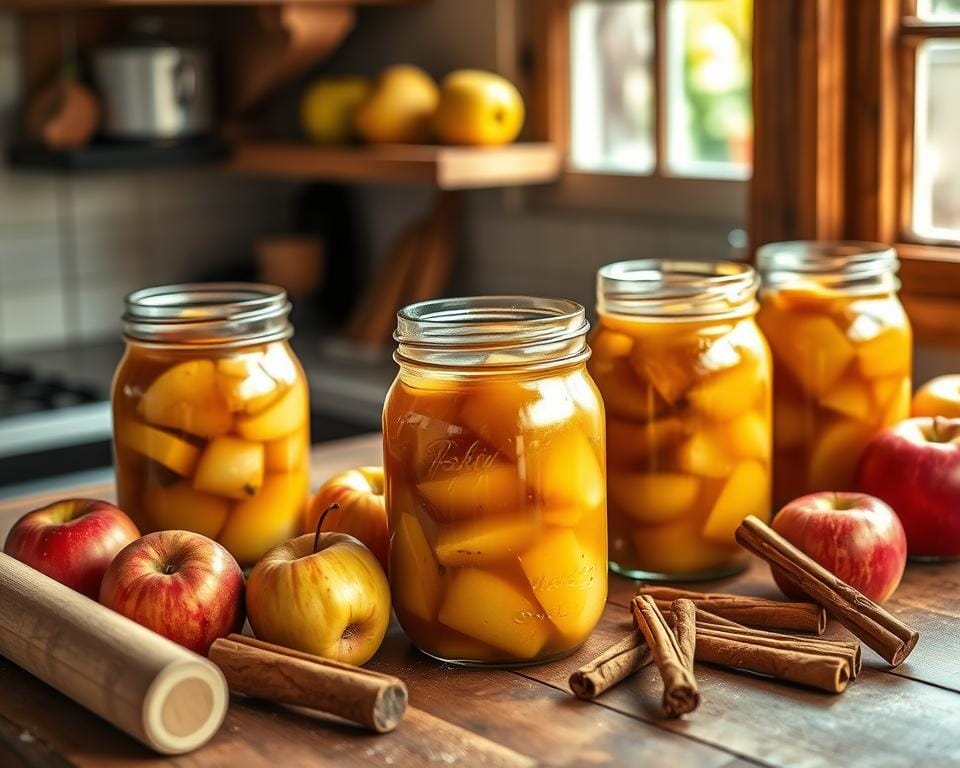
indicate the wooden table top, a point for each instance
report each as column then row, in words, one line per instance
column 909, row 716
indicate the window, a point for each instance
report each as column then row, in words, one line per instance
column 855, row 138
column 661, row 87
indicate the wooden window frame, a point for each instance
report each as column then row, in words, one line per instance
column 654, row 194
column 833, row 139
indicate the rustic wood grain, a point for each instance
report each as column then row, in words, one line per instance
column 909, row 717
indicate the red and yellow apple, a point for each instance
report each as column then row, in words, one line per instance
column 938, row 397
column 854, row 536
column 914, row 466
column 180, row 584
column 361, row 508
column 72, row 541
column 324, row 594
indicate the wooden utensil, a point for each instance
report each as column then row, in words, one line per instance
column 161, row 694
column 286, row 676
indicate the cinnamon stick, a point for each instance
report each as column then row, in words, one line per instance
column 881, row 631
column 616, row 663
column 849, row 653
column 683, row 620
column 266, row 671
column 680, row 692
column 750, row 611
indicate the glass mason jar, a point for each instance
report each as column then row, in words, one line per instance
column 841, row 345
column 211, row 415
column 685, row 377
column 494, row 461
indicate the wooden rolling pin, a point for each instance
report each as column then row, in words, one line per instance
column 161, row 694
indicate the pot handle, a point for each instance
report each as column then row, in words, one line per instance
column 185, row 82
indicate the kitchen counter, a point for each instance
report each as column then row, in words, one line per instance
column 909, row 716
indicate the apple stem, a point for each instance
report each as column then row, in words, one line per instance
column 316, row 536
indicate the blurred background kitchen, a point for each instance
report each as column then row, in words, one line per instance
column 173, row 142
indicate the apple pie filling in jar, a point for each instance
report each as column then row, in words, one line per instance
column 841, row 345
column 211, row 415
column 495, row 488
column 685, row 377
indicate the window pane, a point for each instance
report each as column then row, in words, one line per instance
column 612, row 102
column 939, row 10
column 709, row 114
column 936, row 184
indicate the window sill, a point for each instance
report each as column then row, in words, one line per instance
column 931, row 292
column 705, row 199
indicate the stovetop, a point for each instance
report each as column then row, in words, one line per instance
column 25, row 391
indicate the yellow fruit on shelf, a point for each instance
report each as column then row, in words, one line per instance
column 562, row 468
column 287, row 453
column 654, row 498
column 478, row 108
column 564, row 577
column 329, row 107
column 179, row 507
column 489, row 608
column 270, row 517
column 484, row 541
column 230, row 467
column 747, row 492
column 186, row 397
column 486, row 490
column 288, row 414
column 175, row 454
column 399, row 108
column 415, row 578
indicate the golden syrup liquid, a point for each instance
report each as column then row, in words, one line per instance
column 841, row 374
column 688, row 441
column 496, row 502
column 215, row 442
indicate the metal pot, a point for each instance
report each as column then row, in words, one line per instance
column 154, row 91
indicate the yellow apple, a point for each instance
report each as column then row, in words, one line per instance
column 361, row 510
column 478, row 108
column 938, row 397
column 323, row 594
column 400, row 107
column 329, row 106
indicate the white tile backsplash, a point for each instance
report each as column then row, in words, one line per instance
column 32, row 318
column 30, row 262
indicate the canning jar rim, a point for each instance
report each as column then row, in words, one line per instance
column 639, row 288
column 208, row 313
column 467, row 332
column 848, row 259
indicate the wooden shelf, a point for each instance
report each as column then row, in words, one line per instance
column 442, row 167
column 52, row 5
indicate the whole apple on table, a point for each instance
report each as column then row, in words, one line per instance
column 72, row 541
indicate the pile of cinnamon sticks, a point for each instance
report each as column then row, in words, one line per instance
column 782, row 640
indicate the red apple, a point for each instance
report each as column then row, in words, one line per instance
column 72, row 541
column 361, row 512
column 181, row 585
column 322, row 593
column 914, row 466
column 852, row 535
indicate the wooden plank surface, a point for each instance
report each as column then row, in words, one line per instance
column 904, row 717
column 45, row 5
